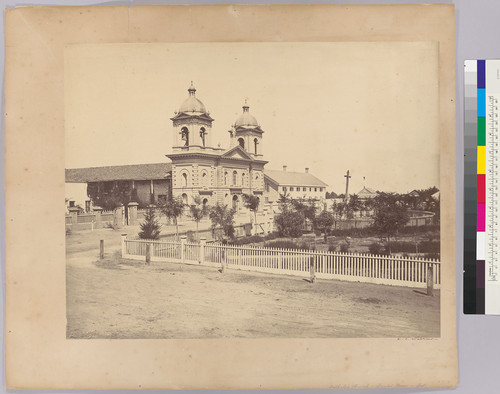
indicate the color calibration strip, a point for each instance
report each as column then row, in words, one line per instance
column 481, row 224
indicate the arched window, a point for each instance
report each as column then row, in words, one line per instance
column 203, row 133
column 204, row 179
column 235, row 202
column 205, row 202
column 184, row 179
column 241, row 141
column 184, row 198
column 243, row 179
column 255, row 143
column 235, row 178
column 256, row 179
column 185, row 136
column 226, row 178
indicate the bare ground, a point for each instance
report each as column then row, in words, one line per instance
column 116, row 298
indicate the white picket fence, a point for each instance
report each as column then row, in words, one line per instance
column 356, row 267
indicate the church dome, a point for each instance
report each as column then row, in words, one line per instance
column 192, row 104
column 246, row 119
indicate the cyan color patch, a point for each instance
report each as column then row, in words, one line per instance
column 481, row 103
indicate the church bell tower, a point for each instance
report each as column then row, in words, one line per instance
column 192, row 125
column 247, row 133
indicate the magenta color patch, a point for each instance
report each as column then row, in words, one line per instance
column 481, row 217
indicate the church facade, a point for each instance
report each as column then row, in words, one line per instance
column 215, row 175
column 201, row 170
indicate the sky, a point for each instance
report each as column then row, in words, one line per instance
column 367, row 107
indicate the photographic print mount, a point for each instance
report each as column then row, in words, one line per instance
column 38, row 313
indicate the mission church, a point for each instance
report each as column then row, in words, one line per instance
column 199, row 168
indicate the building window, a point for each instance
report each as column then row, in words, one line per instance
column 235, row 175
column 315, row 189
column 204, row 179
column 185, row 136
column 243, row 179
column 304, row 189
column 203, row 133
column 310, row 189
column 284, row 188
column 226, row 178
column 255, row 144
column 184, row 180
column 291, row 189
column 241, row 141
column 184, row 198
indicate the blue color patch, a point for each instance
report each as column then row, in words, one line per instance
column 481, row 74
column 481, row 102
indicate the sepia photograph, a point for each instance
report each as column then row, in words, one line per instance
column 254, row 196
column 252, row 190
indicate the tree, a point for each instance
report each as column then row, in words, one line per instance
column 172, row 208
column 222, row 219
column 306, row 207
column 354, row 205
column 324, row 222
column 390, row 215
column 197, row 212
column 252, row 203
column 150, row 228
column 109, row 195
column 289, row 222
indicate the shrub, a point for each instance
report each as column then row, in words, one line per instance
column 271, row 236
column 305, row 246
column 344, row 247
column 401, row 246
column 332, row 248
column 353, row 232
column 376, row 248
column 248, row 240
column 150, row 228
column 191, row 236
column 289, row 223
column 286, row 244
column 433, row 247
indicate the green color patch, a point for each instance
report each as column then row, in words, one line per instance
column 481, row 131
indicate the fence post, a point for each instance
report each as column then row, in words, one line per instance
column 430, row 282
column 124, row 246
column 312, row 269
column 101, row 247
column 280, row 260
column 148, row 253
column 183, row 248
column 203, row 242
column 97, row 217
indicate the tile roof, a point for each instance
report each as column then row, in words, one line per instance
column 288, row 178
column 135, row 172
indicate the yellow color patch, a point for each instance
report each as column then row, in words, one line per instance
column 481, row 160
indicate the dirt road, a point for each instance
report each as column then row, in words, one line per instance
column 117, row 298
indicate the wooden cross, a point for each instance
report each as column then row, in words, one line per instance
column 347, row 176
